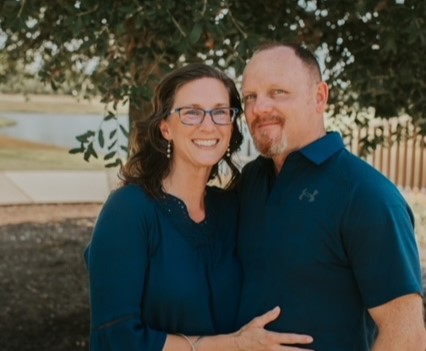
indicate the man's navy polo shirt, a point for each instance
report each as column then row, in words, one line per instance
column 326, row 239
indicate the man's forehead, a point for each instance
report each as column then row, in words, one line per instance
column 280, row 53
column 260, row 70
column 274, row 58
column 252, row 82
column 272, row 65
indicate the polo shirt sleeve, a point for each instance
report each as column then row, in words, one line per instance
column 117, row 259
column 378, row 232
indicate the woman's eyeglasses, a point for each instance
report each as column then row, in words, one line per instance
column 193, row 116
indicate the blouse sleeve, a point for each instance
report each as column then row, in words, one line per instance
column 117, row 260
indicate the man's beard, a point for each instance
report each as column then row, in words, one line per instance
column 270, row 147
column 267, row 146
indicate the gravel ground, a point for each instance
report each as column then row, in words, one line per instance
column 44, row 295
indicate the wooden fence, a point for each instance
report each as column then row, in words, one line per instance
column 400, row 156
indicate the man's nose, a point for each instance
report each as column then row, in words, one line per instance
column 262, row 105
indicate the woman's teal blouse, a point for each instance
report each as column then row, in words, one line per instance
column 154, row 271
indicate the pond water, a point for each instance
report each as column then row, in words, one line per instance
column 61, row 130
column 57, row 130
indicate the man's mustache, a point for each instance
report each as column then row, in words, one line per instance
column 262, row 120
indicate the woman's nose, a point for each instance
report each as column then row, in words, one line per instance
column 207, row 122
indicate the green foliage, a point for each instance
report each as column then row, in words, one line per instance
column 92, row 140
column 120, row 49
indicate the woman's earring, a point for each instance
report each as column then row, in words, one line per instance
column 228, row 152
column 169, row 149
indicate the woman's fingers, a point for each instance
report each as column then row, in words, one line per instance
column 292, row 348
column 262, row 320
column 254, row 337
column 290, row 338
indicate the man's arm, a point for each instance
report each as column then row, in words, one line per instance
column 400, row 323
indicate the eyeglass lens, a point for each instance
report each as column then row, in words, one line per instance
column 222, row 115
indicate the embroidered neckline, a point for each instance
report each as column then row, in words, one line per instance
column 201, row 233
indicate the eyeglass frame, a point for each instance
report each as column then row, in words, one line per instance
column 235, row 111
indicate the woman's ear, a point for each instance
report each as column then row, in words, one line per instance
column 165, row 130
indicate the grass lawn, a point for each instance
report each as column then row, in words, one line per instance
column 24, row 155
column 17, row 155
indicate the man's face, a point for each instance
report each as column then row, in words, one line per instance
column 283, row 102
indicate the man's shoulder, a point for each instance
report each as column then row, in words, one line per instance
column 257, row 164
column 366, row 182
column 359, row 171
column 221, row 197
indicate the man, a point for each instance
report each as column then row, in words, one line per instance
column 322, row 234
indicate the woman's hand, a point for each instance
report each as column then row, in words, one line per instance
column 254, row 337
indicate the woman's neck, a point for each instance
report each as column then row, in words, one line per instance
column 190, row 187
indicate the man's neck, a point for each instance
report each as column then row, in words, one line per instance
column 280, row 159
column 279, row 162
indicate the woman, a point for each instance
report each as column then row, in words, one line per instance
column 161, row 261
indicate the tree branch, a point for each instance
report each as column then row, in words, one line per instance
column 22, row 8
column 177, row 25
column 204, row 8
column 88, row 11
column 234, row 21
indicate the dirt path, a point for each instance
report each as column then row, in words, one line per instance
column 46, row 213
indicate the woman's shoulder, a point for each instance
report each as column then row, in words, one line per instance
column 130, row 193
column 131, row 198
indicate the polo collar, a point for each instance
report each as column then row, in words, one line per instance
column 317, row 152
column 322, row 149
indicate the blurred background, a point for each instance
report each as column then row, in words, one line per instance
column 75, row 74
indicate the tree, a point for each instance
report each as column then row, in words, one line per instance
column 120, row 49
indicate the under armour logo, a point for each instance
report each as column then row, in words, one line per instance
column 306, row 194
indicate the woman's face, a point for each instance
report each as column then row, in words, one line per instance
column 200, row 145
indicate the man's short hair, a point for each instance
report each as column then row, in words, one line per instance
column 301, row 51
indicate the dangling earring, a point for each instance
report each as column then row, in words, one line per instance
column 228, row 152
column 169, row 149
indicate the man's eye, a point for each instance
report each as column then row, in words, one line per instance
column 249, row 98
column 278, row 91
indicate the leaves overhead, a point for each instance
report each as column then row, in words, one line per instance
column 373, row 49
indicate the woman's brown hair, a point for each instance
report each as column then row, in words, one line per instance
column 148, row 164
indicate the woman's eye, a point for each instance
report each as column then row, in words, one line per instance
column 219, row 112
column 191, row 112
